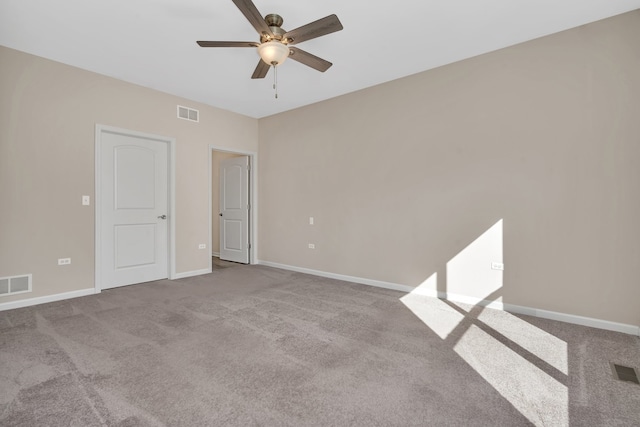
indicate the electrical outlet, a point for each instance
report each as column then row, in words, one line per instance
column 312, row 246
column 497, row 266
column 202, row 246
column 64, row 261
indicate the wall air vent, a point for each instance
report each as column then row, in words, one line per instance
column 15, row 285
column 188, row 114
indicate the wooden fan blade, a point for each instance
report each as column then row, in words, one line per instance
column 327, row 25
column 227, row 44
column 252, row 14
column 308, row 59
column 261, row 70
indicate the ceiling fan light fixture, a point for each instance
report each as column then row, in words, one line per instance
column 273, row 52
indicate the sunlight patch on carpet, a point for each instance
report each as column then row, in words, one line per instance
column 536, row 395
column 506, row 351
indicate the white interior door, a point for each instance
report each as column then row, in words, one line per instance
column 234, row 209
column 134, row 208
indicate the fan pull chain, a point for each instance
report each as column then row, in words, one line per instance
column 275, row 79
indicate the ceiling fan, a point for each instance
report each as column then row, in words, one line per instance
column 276, row 44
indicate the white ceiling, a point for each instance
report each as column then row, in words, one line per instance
column 152, row 42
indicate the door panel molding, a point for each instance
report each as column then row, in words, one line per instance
column 101, row 130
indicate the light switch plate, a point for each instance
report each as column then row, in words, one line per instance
column 86, row 200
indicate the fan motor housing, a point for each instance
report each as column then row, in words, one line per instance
column 274, row 21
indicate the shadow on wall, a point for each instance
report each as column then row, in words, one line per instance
column 525, row 364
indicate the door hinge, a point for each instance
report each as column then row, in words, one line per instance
column 249, row 246
column 249, row 206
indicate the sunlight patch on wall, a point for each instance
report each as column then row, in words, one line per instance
column 469, row 273
column 523, row 363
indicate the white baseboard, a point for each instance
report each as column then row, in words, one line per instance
column 192, row 273
column 49, row 298
column 363, row 281
column 588, row 321
column 512, row 308
column 498, row 305
column 81, row 293
column 215, row 254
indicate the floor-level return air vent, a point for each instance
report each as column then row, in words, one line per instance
column 188, row 114
column 625, row 373
column 15, row 285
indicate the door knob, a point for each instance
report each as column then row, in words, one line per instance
column 220, row 214
column 162, row 217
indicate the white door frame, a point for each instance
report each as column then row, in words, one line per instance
column 171, row 174
column 253, row 197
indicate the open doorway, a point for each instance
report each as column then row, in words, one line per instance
column 239, row 243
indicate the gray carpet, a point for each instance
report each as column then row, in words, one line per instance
column 252, row 345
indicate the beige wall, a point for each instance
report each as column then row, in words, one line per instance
column 402, row 177
column 216, row 158
column 48, row 113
